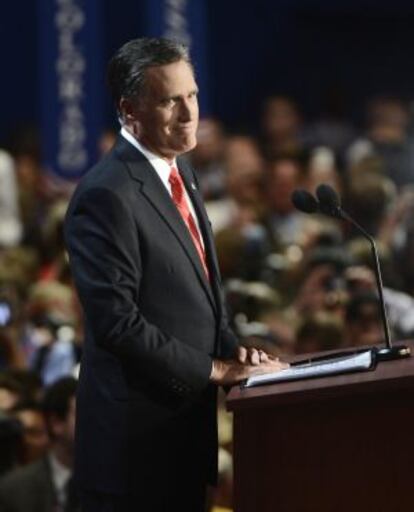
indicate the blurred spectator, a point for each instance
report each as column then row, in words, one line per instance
column 106, row 141
column 56, row 355
column 397, row 234
column 46, row 485
column 25, row 148
column 388, row 138
column 285, row 223
column 400, row 309
column 34, row 441
column 240, row 238
column 11, row 355
column 11, row 392
column 11, row 230
column 49, row 340
column 322, row 169
column 242, row 250
column 361, row 252
column 368, row 200
column 55, row 265
column 10, row 434
column 18, row 270
column 363, row 321
column 318, row 332
column 259, row 318
column 243, row 165
column 398, row 220
column 323, row 286
column 332, row 128
column 207, row 158
column 399, row 305
column 30, row 382
column 405, row 260
column 281, row 125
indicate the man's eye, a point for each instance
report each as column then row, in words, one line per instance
column 168, row 102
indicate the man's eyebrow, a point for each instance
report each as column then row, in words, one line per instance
column 178, row 96
column 168, row 98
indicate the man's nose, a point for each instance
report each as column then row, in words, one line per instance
column 186, row 111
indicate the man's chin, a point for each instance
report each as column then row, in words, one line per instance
column 191, row 144
column 186, row 145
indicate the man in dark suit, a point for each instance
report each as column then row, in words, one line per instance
column 28, row 489
column 46, row 484
column 157, row 340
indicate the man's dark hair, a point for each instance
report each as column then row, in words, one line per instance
column 8, row 382
column 30, row 382
column 10, row 437
column 26, row 405
column 126, row 70
column 354, row 311
column 57, row 397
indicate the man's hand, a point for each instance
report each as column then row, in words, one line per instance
column 253, row 356
column 253, row 362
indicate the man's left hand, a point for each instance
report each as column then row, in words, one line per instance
column 253, row 356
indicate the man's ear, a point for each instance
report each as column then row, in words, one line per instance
column 128, row 110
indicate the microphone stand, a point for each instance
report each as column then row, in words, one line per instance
column 389, row 352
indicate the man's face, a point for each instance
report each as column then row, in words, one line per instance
column 64, row 429
column 166, row 116
column 284, row 178
column 35, row 439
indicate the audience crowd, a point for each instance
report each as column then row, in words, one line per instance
column 295, row 283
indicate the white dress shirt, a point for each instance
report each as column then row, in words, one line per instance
column 163, row 169
column 60, row 477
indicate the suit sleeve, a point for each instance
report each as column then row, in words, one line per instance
column 104, row 249
column 229, row 342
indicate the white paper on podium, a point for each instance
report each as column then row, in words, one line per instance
column 358, row 362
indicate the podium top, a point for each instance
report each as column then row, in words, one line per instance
column 388, row 376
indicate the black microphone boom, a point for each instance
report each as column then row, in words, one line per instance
column 328, row 201
column 304, row 201
column 329, row 205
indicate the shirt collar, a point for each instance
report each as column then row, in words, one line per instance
column 162, row 167
column 60, row 473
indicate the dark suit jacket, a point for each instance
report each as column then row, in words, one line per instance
column 153, row 323
column 28, row 489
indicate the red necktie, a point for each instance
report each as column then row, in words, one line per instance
column 180, row 201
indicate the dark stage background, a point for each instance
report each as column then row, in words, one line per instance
column 327, row 55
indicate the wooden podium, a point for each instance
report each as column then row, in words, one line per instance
column 332, row 444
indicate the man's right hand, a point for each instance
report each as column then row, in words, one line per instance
column 231, row 371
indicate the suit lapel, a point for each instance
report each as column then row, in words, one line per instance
column 204, row 223
column 154, row 190
column 197, row 201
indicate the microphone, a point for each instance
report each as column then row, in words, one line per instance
column 328, row 201
column 304, row 201
column 329, row 204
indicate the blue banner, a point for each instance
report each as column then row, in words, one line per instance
column 71, row 90
column 184, row 21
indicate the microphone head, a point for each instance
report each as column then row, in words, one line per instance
column 304, row 201
column 328, row 200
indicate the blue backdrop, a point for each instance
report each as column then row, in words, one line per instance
column 243, row 51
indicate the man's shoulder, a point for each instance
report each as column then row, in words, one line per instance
column 18, row 480
column 105, row 173
column 27, row 489
column 110, row 175
column 114, row 171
